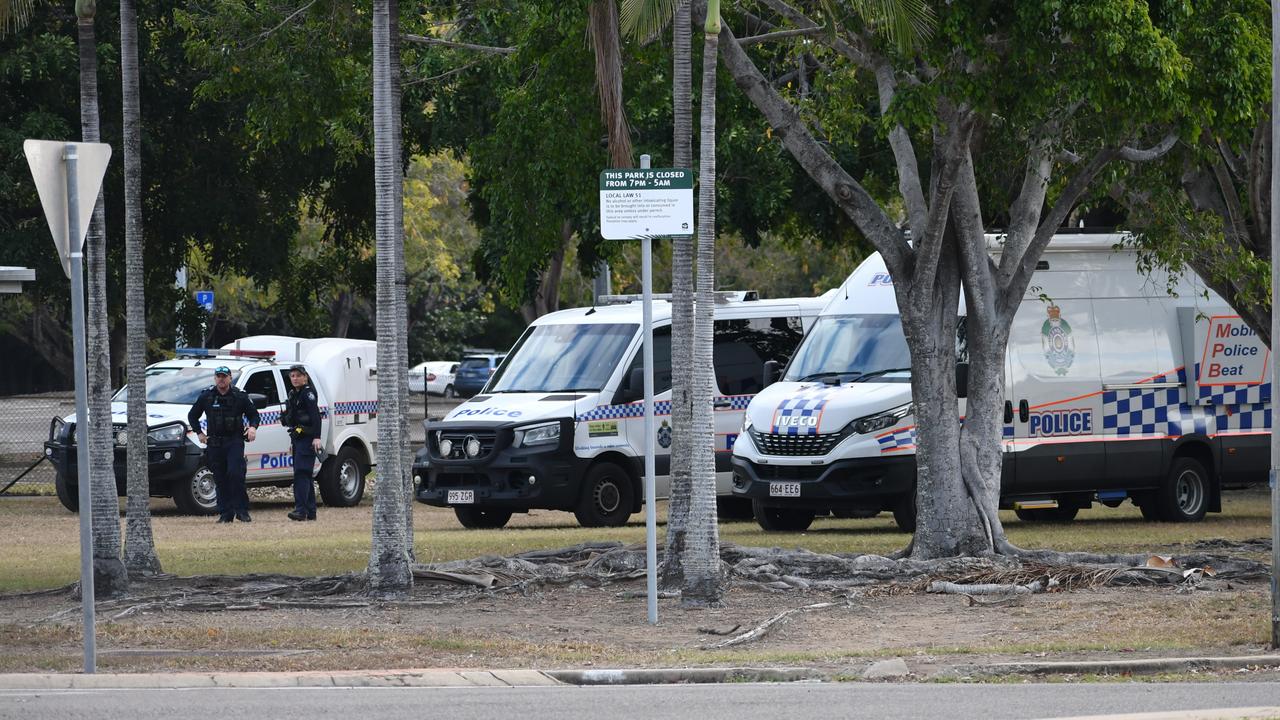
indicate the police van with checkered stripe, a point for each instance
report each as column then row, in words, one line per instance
column 560, row 423
column 1119, row 385
column 342, row 371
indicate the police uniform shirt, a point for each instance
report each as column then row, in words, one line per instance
column 224, row 412
column 303, row 416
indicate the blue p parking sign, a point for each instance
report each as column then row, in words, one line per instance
column 204, row 298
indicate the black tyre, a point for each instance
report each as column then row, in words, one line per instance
column 733, row 509
column 1150, row 512
column 1047, row 515
column 607, row 497
column 342, row 479
column 449, row 392
column 196, row 495
column 478, row 518
column 68, row 493
column 1184, row 495
column 781, row 519
column 904, row 511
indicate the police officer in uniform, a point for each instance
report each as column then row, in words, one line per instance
column 302, row 419
column 225, row 408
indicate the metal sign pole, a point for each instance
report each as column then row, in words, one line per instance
column 1275, row 326
column 82, row 415
column 650, row 469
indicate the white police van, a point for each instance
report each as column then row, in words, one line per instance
column 1116, row 390
column 560, row 424
column 341, row 370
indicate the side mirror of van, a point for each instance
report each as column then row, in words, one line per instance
column 258, row 399
column 772, row 372
column 962, row 380
column 632, row 387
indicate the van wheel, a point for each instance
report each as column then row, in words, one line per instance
column 68, row 492
column 904, row 511
column 478, row 518
column 342, row 480
column 1184, row 495
column 733, row 509
column 606, row 497
column 449, row 392
column 1047, row 515
column 781, row 519
column 196, row 495
column 1150, row 512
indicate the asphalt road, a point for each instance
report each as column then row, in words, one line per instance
column 811, row 701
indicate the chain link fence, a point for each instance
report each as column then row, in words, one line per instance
column 24, row 426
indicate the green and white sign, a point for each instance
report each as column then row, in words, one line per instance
column 646, row 203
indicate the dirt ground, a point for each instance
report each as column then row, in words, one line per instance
column 445, row 625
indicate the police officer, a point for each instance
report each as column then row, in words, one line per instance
column 225, row 408
column 302, row 419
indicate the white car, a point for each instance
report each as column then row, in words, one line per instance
column 433, row 376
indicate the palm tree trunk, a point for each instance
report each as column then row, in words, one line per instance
column 603, row 31
column 702, row 577
column 139, row 544
column 671, row 573
column 389, row 570
column 109, row 576
column 402, row 283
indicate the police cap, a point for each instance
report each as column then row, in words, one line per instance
column 299, row 368
column 222, row 370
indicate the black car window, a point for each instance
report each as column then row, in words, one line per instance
column 661, row 367
column 263, row 383
column 743, row 346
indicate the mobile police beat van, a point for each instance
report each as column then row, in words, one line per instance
column 1116, row 389
column 341, row 370
column 560, row 424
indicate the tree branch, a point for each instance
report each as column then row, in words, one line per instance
column 847, row 193
column 457, row 45
column 1011, row 291
column 856, row 55
column 1152, row 153
column 780, row 34
column 909, row 183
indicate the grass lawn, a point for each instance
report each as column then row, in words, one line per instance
column 41, row 545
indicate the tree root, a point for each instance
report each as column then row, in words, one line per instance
column 759, row 631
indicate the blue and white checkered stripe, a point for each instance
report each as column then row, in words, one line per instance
column 808, row 403
column 660, row 407
column 1166, row 412
column 355, row 408
column 900, row 439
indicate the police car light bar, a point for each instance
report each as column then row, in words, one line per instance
column 197, row 352
column 253, row 353
column 722, row 297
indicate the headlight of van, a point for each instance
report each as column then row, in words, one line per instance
column 544, row 434
column 167, row 433
column 880, row 421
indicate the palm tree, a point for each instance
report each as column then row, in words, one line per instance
column 402, row 288
column 703, row 581
column 109, row 576
column 389, row 567
column 139, row 544
column 15, row 14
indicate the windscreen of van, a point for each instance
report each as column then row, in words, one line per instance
column 564, row 358
column 853, row 346
column 177, row 385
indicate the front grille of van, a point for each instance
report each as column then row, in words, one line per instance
column 813, row 445
column 458, row 439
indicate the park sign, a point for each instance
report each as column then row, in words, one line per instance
column 650, row 202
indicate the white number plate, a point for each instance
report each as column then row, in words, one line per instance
column 465, row 497
column 784, row 489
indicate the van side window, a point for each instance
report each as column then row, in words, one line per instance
column 743, row 346
column 263, row 383
column 661, row 367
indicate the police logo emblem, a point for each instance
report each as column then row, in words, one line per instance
column 664, row 435
column 1056, row 341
